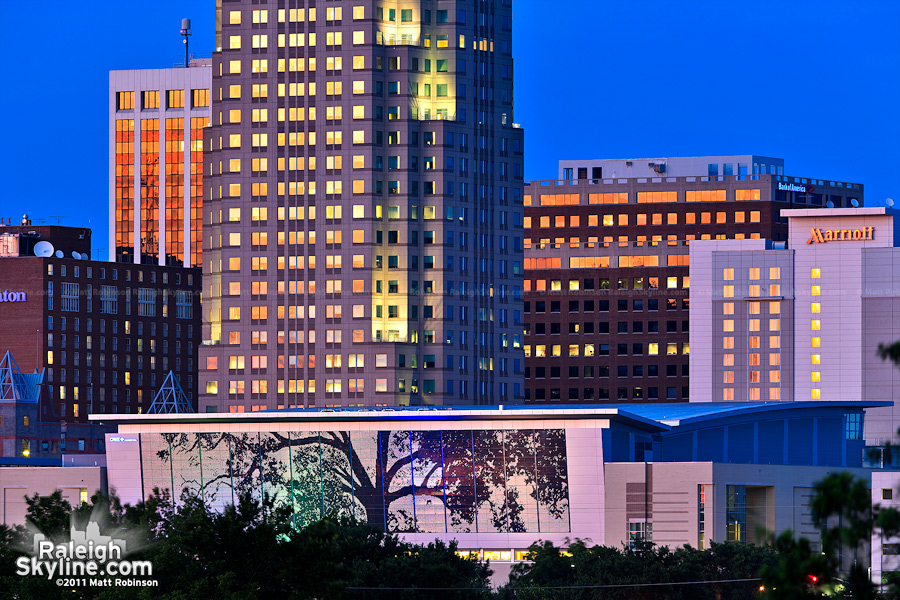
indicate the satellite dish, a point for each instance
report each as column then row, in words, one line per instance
column 889, row 201
column 76, row 255
column 59, row 254
column 85, row 256
column 43, row 248
column 829, row 204
column 854, row 202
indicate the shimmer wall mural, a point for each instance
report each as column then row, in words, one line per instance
column 403, row 481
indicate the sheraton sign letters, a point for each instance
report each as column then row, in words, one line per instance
column 817, row 236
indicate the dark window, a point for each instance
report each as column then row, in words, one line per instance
column 622, row 349
column 622, row 305
column 670, row 393
column 653, row 370
column 554, row 306
column 622, row 327
column 603, row 305
column 653, row 304
column 554, row 372
column 573, row 306
column 622, row 371
column 588, row 306
column 638, row 305
column 573, row 371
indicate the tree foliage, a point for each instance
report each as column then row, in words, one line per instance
column 574, row 574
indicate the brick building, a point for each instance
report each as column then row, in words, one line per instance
column 105, row 334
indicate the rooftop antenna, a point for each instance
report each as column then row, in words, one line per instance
column 186, row 32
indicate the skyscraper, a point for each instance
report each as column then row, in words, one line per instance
column 156, row 121
column 363, row 207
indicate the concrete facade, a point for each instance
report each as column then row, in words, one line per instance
column 833, row 289
column 78, row 484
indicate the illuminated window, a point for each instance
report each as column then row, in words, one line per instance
column 774, row 324
column 754, row 308
column 728, row 308
column 774, row 272
column 816, row 359
column 754, row 325
column 728, row 274
column 728, row 360
column 754, row 394
column 728, row 342
column 816, row 290
column 728, row 291
column 775, row 308
column 728, row 377
column 816, row 342
column 774, row 359
column 728, row 394
column 774, row 393
column 816, row 376
column 816, row 324
column 754, row 273
column 753, row 360
column 774, row 341
column 816, row 307
column 816, row 273
column 816, row 394
column 774, row 376
column 728, row 325
column 754, row 291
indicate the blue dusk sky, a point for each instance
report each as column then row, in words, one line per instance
column 815, row 82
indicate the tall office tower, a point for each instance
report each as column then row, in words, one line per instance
column 608, row 287
column 363, row 207
column 156, row 121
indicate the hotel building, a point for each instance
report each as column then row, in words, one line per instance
column 156, row 122
column 363, row 207
column 607, row 282
column 105, row 335
column 801, row 320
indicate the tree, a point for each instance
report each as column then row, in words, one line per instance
column 403, row 481
column 570, row 575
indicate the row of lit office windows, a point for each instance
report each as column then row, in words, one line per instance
column 641, row 219
column 150, row 99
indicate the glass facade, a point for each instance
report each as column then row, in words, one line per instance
column 149, row 191
column 403, row 481
column 124, row 185
column 736, row 514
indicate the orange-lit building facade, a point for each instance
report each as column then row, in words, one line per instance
column 156, row 122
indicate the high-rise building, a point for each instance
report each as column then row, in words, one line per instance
column 363, row 207
column 607, row 282
column 156, row 121
column 801, row 320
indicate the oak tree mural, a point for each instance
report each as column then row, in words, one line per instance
column 403, row 481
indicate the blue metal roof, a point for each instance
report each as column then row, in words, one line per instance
column 688, row 412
